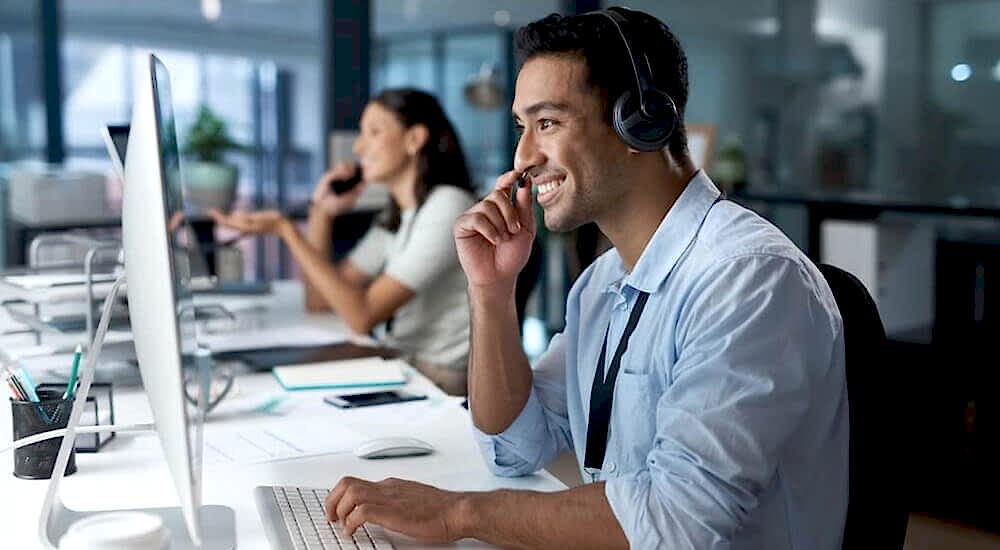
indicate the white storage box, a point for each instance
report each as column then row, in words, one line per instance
column 40, row 195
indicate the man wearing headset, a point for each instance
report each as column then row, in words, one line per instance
column 700, row 378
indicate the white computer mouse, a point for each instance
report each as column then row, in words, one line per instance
column 386, row 447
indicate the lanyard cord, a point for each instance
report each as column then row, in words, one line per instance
column 602, row 394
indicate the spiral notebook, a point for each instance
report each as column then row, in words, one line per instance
column 350, row 373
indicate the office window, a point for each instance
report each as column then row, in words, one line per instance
column 484, row 130
column 22, row 111
column 441, row 46
column 229, row 64
column 96, row 92
column 963, row 105
column 404, row 62
column 886, row 95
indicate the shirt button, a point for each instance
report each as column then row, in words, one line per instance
column 612, row 467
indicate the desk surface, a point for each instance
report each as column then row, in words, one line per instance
column 130, row 472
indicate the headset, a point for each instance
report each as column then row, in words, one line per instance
column 644, row 121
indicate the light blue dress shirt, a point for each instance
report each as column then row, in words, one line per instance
column 729, row 427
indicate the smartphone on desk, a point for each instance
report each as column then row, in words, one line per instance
column 356, row 400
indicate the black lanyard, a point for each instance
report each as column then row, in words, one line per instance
column 602, row 394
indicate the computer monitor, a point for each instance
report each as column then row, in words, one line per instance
column 157, row 271
column 116, row 140
column 156, row 239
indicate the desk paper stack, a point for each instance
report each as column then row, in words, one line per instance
column 352, row 373
column 294, row 336
column 41, row 280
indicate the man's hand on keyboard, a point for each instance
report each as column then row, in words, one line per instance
column 414, row 509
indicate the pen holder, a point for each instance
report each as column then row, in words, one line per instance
column 99, row 410
column 51, row 412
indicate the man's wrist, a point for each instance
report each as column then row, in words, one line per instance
column 499, row 295
column 464, row 517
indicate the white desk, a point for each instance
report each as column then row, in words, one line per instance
column 129, row 471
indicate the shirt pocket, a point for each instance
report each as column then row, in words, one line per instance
column 634, row 425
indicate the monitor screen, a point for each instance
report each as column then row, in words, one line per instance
column 183, row 243
column 180, row 235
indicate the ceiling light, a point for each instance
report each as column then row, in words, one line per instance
column 211, row 9
column 996, row 71
column 961, row 72
column 501, row 18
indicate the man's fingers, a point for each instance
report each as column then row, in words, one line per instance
column 506, row 181
column 362, row 513
column 476, row 223
column 509, row 212
column 355, row 495
column 493, row 213
column 336, row 494
column 526, row 208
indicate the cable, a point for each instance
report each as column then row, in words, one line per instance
column 51, row 434
column 52, row 502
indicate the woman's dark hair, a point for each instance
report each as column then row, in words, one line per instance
column 440, row 161
column 594, row 38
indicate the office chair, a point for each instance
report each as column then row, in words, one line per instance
column 877, row 509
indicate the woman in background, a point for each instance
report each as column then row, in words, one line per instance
column 405, row 270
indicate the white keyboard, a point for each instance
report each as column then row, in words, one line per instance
column 295, row 518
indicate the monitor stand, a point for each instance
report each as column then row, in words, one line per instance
column 217, row 523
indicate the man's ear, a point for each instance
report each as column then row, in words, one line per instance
column 416, row 137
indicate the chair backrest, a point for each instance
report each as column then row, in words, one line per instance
column 877, row 510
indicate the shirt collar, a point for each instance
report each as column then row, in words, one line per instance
column 675, row 233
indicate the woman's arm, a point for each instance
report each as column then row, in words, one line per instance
column 361, row 307
column 324, row 207
column 318, row 233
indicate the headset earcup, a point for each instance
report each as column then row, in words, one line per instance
column 639, row 131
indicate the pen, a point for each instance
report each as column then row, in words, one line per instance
column 27, row 385
column 73, row 372
column 14, row 388
column 13, row 381
column 522, row 180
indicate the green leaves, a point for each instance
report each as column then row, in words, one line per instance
column 208, row 138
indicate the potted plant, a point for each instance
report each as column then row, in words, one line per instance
column 209, row 181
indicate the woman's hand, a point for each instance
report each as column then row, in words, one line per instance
column 330, row 203
column 264, row 222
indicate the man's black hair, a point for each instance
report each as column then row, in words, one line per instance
column 595, row 39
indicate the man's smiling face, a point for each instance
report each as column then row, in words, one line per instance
column 567, row 144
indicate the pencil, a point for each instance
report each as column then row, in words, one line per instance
column 73, row 373
column 14, row 390
column 12, row 380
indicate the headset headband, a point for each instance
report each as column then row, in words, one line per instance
column 643, row 79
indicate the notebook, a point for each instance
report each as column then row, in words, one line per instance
column 351, row 373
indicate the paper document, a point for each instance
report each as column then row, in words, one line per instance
column 270, row 337
column 36, row 281
column 408, row 415
column 370, row 371
column 275, row 441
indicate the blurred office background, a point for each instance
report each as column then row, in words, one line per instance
column 869, row 130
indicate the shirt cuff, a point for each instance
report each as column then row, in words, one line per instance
column 628, row 497
column 516, row 451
